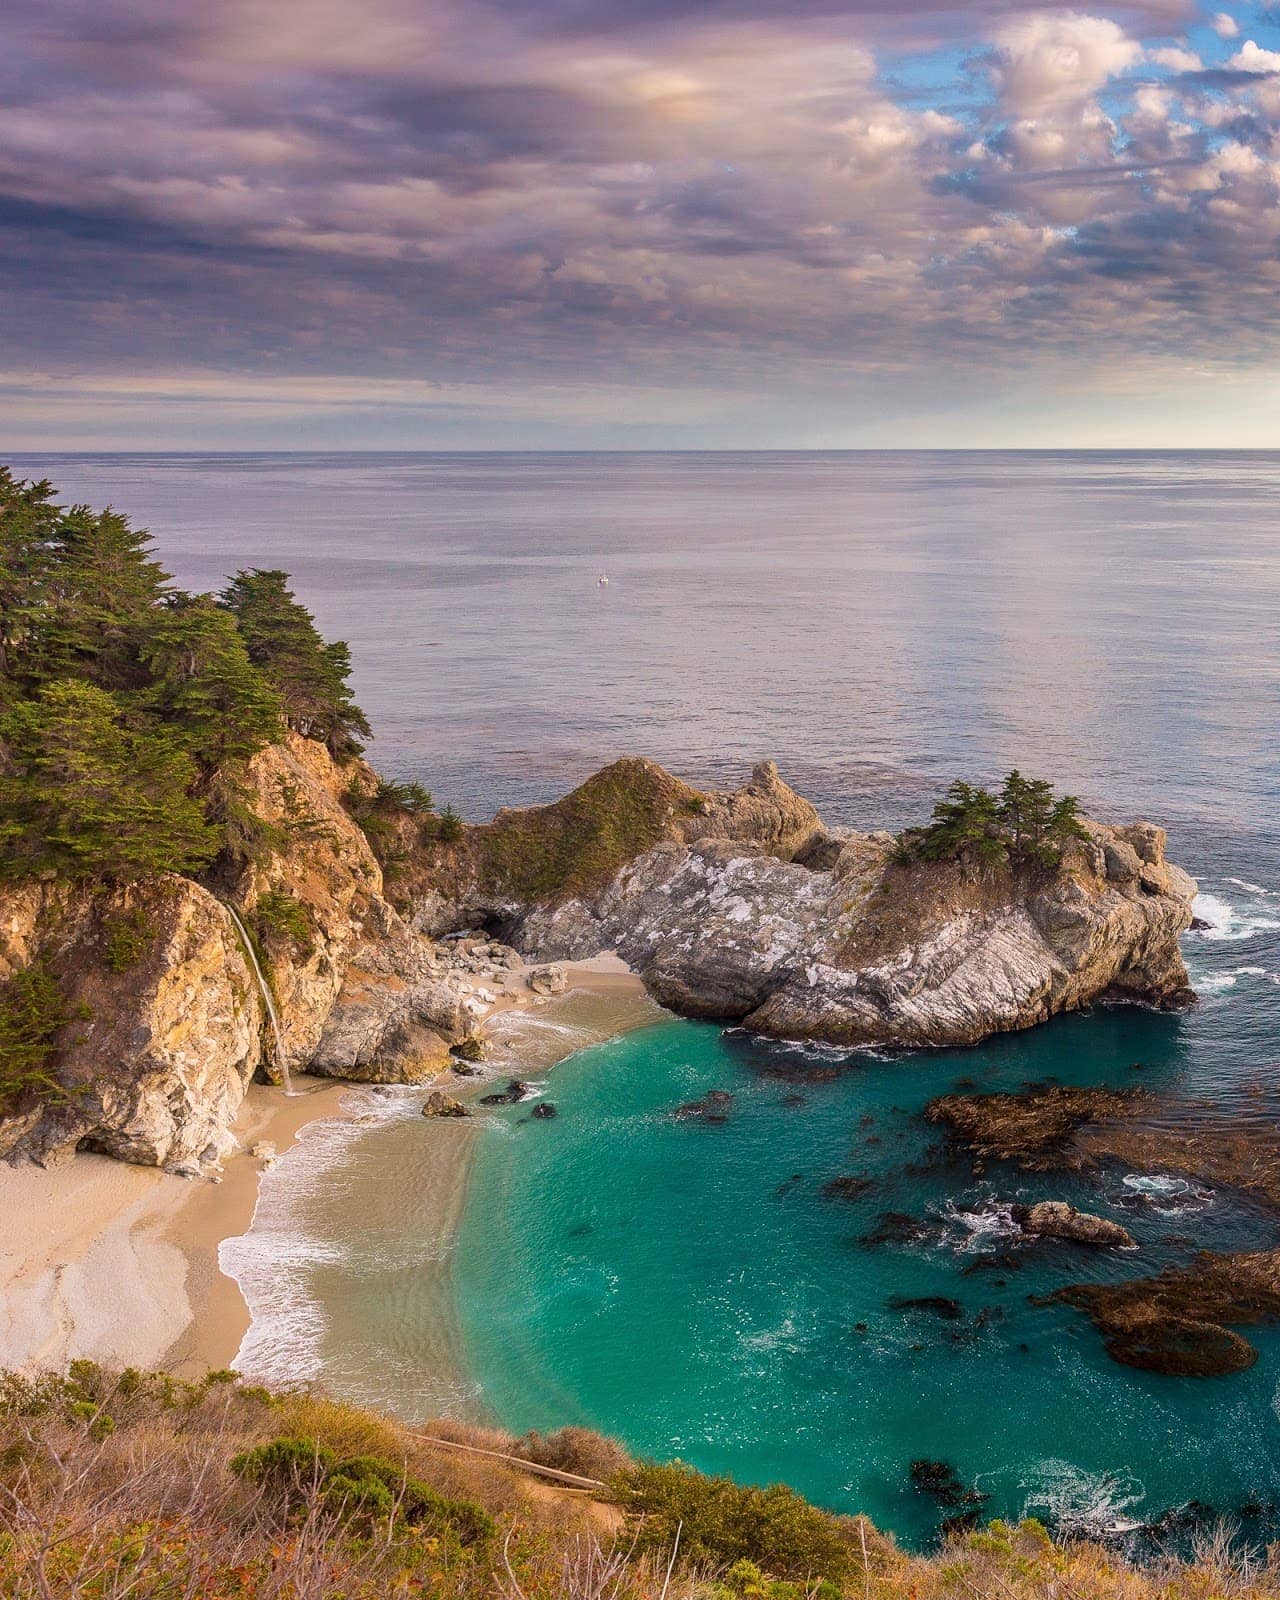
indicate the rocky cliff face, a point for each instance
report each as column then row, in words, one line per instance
column 165, row 1022
column 743, row 907
column 166, row 1019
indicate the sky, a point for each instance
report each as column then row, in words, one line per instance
column 455, row 224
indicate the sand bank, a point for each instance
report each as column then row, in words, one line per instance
column 120, row 1264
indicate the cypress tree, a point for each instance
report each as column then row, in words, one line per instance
column 310, row 676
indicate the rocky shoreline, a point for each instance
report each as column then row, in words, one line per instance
column 738, row 905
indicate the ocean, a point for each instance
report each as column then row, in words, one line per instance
column 877, row 624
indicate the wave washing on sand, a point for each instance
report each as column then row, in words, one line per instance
column 270, row 1262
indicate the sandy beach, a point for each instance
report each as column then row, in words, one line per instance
column 120, row 1263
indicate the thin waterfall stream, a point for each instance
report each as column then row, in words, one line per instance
column 282, row 1060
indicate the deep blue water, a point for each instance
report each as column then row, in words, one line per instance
column 877, row 624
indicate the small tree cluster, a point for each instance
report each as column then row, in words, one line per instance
column 128, row 707
column 1024, row 823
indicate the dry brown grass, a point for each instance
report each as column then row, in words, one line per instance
column 123, row 1489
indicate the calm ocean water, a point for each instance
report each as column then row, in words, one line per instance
column 877, row 624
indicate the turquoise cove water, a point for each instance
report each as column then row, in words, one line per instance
column 688, row 1287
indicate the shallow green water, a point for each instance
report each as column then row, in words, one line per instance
column 687, row 1285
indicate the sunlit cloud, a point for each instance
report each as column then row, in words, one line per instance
column 458, row 206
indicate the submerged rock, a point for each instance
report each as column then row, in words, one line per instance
column 936, row 1305
column 1176, row 1322
column 849, row 1186
column 712, row 1107
column 1055, row 1219
column 543, row 1111
column 1034, row 1128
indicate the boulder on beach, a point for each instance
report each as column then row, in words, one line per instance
column 551, row 979
column 439, row 1104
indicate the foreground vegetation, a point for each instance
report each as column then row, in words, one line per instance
column 138, row 1485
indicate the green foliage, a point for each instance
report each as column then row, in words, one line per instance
column 126, row 938
column 281, row 916
column 128, row 709
column 33, row 1012
column 88, row 795
column 450, row 829
column 554, row 852
column 309, row 675
column 204, row 684
column 358, row 1486
column 722, row 1523
column 1024, row 824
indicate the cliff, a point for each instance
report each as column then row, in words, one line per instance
column 736, row 905
column 161, row 1022
column 744, row 907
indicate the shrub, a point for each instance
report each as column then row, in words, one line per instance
column 450, row 828
column 280, row 916
column 33, row 1012
column 590, row 1455
column 721, row 1522
column 126, row 938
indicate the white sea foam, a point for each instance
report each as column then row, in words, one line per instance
column 1230, row 923
column 980, row 1226
column 1085, row 1504
column 271, row 1262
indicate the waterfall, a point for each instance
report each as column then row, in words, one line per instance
column 282, row 1060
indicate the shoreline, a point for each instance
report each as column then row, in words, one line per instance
column 120, row 1264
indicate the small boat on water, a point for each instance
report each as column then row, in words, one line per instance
column 602, row 582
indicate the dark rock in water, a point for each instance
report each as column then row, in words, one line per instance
column 515, row 1091
column 463, row 1070
column 443, row 1105
column 788, row 1184
column 895, row 1227
column 941, row 1482
column 1175, row 1323
column 847, row 1187
column 581, row 1231
column 713, row 1107
column 1036, row 1127
column 936, row 1305
column 1055, row 1219
column 797, row 1074
column 1199, row 925
column 542, row 1111
column 793, row 1100
column 867, row 1121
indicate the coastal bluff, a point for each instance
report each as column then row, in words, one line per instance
column 737, row 905
column 744, row 906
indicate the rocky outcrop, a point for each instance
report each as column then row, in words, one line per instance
column 733, row 905
column 1055, row 1219
column 1177, row 1323
column 164, row 1022
column 1061, row 1128
column 742, row 907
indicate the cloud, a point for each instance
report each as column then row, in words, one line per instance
column 734, row 197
